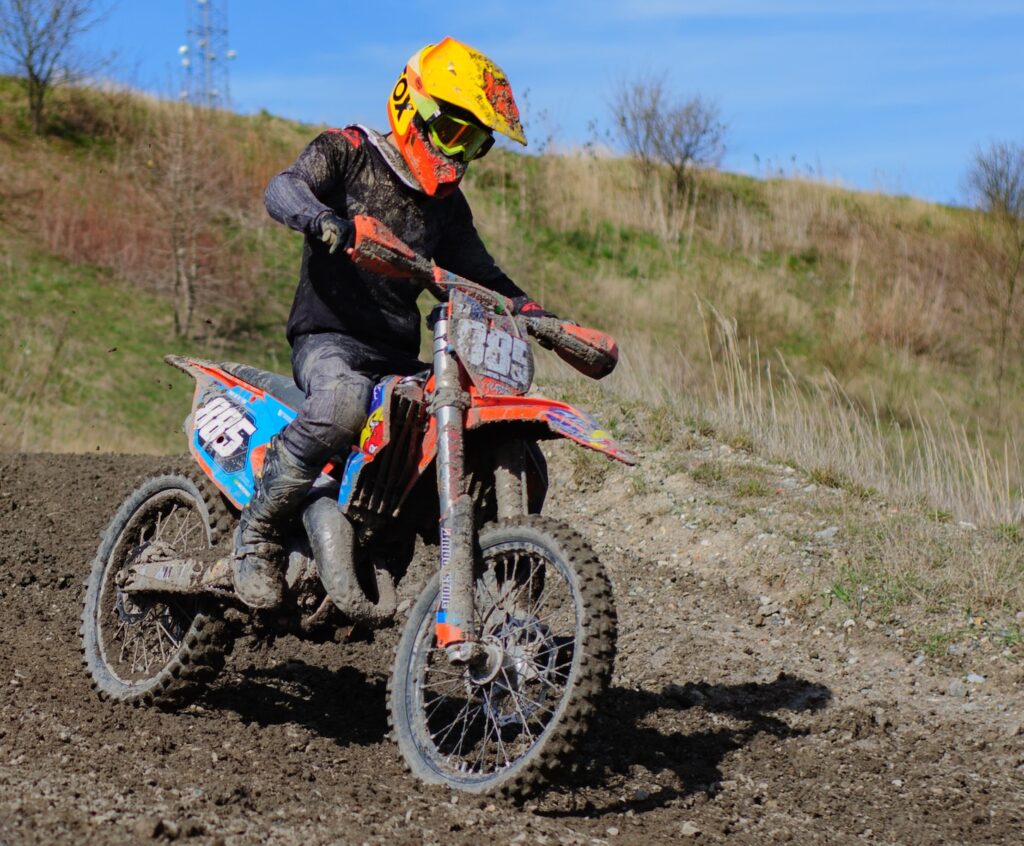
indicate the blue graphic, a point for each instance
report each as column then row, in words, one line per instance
column 227, row 425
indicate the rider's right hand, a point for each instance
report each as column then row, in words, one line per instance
column 336, row 231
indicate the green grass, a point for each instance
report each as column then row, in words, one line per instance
column 752, row 487
column 701, row 425
column 828, row 477
column 804, row 269
column 709, row 472
column 640, row 484
column 936, row 644
column 589, row 469
column 82, row 360
column 1010, row 532
column 815, row 279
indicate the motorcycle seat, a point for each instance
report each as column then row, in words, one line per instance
column 278, row 386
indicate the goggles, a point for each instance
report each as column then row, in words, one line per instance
column 452, row 135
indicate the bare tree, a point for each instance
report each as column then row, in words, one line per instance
column 190, row 180
column 636, row 110
column 658, row 128
column 36, row 37
column 995, row 183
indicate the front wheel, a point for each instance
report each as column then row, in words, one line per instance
column 546, row 622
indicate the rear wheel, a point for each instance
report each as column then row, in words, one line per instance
column 546, row 622
column 154, row 650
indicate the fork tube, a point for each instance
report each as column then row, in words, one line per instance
column 455, row 606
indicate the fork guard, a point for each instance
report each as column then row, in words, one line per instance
column 560, row 419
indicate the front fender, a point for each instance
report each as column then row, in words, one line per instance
column 561, row 419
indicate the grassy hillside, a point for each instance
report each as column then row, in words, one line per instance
column 82, row 359
column 848, row 335
column 868, row 319
column 879, row 301
column 885, row 294
column 86, row 286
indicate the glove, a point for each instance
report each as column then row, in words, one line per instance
column 336, row 231
column 529, row 308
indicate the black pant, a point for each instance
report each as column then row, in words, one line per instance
column 338, row 373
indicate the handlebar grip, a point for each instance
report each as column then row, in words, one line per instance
column 378, row 250
column 591, row 352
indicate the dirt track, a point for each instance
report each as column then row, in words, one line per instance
column 716, row 728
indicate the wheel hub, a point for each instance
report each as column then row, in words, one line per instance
column 513, row 658
column 492, row 658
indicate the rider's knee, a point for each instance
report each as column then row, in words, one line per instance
column 343, row 405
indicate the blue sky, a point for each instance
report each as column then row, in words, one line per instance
column 890, row 96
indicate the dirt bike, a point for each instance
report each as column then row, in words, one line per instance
column 505, row 652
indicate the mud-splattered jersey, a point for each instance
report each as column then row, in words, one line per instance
column 356, row 171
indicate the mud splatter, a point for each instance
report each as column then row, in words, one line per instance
column 499, row 95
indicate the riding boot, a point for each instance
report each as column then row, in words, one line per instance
column 258, row 563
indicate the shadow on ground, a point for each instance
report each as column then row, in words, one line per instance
column 634, row 728
column 630, row 732
column 345, row 705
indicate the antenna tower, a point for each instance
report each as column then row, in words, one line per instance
column 205, row 55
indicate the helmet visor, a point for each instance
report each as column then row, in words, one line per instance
column 453, row 135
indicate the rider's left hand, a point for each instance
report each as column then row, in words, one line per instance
column 530, row 308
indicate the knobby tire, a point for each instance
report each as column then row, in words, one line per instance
column 198, row 657
column 593, row 649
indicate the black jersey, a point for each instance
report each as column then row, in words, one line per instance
column 356, row 171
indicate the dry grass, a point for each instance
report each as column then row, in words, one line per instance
column 871, row 311
column 892, row 402
column 906, row 561
column 878, row 291
column 819, row 426
column 870, row 301
column 107, row 197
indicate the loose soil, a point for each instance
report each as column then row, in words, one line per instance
column 734, row 714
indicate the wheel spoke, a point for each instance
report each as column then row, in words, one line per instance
column 515, row 701
column 452, row 724
column 528, row 604
column 443, row 684
column 140, row 641
column 466, row 722
column 488, row 725
column 500, row 745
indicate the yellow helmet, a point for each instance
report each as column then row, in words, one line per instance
column 443, row 111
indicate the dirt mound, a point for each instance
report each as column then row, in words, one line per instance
column 729, row 718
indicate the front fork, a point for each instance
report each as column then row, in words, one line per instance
column 454, row 623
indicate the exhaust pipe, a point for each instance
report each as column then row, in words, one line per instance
column 332, row 540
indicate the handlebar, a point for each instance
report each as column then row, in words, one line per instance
column 379, row 250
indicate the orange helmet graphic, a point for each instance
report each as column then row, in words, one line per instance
column 444, row 111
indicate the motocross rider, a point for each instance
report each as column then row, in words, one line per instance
column 348, row 327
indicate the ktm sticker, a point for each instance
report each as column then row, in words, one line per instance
column 401, row 105
column 223, row 430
